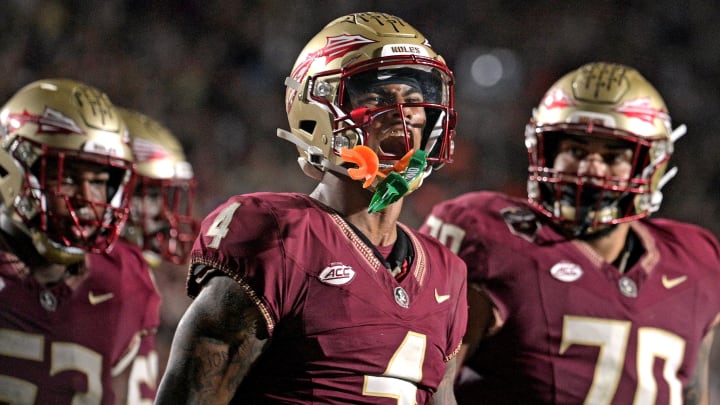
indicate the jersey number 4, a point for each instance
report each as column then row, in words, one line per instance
column 403, row 372
column 220, row 226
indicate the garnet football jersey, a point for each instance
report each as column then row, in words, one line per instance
column 570, row 327
column 343, row 328
column 139, row 317
column 59, row 345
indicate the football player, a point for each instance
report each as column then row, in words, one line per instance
column 161, row 224
column 161, row 218
column 69, row 323
column 577, row 295
column 327, row 297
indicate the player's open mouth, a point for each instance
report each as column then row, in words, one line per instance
column 394, row 146
column 394, row 142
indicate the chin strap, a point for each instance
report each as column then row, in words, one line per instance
column 54, row 252
column 153, row 259
column 657, row 195
column 33, row 247
column 678, row 133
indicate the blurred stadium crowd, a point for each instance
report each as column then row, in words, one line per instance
column 212, row 71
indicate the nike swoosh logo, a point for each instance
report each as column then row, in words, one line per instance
column 441, row 298
column 672, row 282
column 97, row 299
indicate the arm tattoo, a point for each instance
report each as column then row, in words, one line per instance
column 239, row 328
column 220, row 337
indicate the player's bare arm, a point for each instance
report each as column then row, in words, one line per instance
column 696, row 391
column 480, row 318
column 445, row 394
column 218, row 339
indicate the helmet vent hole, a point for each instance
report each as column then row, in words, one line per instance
column 308, row 126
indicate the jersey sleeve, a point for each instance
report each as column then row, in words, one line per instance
column 241, row 240
column 458, row 318
column 456, row 226
column 692, row 243
column 463, row 224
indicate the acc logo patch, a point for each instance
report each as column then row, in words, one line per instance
column 521, row 221
column 337, row 274
column 566, row 271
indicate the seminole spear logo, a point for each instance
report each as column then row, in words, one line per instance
column 643, row 110
column 335, row 47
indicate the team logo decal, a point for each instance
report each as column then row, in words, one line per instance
column 51, row 122
column 401, row 297
column 557, row 99
column 146, row 151
column 628, row 287
column 521, row 221
column 334, row 48
column 48, row 301
column 641, row 109
column 337, row 274
column 566, row 272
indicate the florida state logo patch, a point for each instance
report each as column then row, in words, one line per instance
column 401, row 297
column 48, row 300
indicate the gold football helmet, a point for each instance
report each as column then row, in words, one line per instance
column 161, row 220
column 50, row 129
column 602, row 100
column 353, row 55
